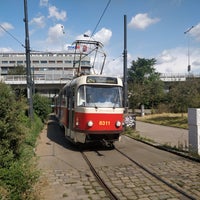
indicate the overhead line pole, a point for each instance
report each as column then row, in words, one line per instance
column 125, row 67
column 28, row 62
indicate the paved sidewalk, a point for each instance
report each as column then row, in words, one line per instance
column 174, row 137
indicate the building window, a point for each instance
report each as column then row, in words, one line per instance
column 85, row 62
column 59, row 61
column 12, row 62
column 52, row 61
column 35, row 61
column 68, row 61
column 4, row 61
column 20, row 62
column 43, row 61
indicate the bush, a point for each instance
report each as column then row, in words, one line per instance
column 11, row 128
column 17, row 139
column 17, row 180
column 41, row 106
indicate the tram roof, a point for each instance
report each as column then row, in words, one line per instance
column 96, row 79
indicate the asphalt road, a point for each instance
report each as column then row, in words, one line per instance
column 174, row 137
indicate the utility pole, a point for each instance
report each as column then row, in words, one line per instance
column 28, row 62
column 125, row 67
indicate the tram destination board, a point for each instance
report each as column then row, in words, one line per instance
column 101, row 79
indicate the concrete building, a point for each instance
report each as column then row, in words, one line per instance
column 50, row 70
column 44, row 62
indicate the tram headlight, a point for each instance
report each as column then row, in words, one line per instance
column 118, row 124
column 77, row 123
column 90, row 123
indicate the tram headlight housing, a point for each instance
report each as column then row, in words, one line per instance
column 90, row 123
column 118, row 124
column 77, row 123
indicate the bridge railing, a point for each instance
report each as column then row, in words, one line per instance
column 37, row 78
column 63, row 77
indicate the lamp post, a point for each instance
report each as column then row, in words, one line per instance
column 187, row 31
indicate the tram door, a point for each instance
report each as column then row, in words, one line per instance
column 70, row 117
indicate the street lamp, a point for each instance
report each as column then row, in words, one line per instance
column 187, row 31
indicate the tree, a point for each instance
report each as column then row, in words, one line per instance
column 17, row 70
column 144, row 84
column 142, row 70
column 183, row 95
column 42, row 106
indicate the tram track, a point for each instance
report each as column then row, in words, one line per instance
column 112, row 194
column 107, row 190
column 159, row 178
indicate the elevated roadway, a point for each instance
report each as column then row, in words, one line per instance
column 53, row 82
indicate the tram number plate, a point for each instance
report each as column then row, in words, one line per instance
column 104, row 123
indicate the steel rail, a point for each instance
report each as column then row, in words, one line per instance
column 99, row 179
column 180, row 191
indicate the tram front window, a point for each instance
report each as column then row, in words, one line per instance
column 99, row 96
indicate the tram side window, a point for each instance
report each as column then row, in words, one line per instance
column 81, row 96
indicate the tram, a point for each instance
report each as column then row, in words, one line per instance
column 90, row 106
column 90, row 109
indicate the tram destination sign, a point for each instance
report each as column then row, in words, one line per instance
column 101, row 79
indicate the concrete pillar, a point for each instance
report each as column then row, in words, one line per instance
column 142, row 110
column 194, row 129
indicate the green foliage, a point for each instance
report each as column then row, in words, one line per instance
column 142, row 70
column 183, row 95
column 11, row 129
column 17, row 70
column 17, row 180
column 145, row 86
column 17, row 140
column 41, row 106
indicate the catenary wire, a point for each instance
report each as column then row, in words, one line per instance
column 100, row 18
column 12, row 36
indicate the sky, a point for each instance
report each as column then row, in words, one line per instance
column 167, row 30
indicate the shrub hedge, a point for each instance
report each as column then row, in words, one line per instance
column 17, row 140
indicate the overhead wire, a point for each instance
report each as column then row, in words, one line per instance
column 12, row 36
column 90, row 36
column 100, row 18
column 18, row 40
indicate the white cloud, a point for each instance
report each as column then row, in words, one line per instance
column 195, row 32
column 166, row 57
column 102, row 36
column 142, row 21
column 168, row 61
column 54, row 13
column 38, row 21
column 195, row 60
column 55, row 38
column 5, row 27
column 115, row 67
column 176, row 61
column 6, row 49
column 86, row 37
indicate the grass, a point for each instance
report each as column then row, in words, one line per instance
column 178, row 120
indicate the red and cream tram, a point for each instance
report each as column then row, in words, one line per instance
column 90, row 109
